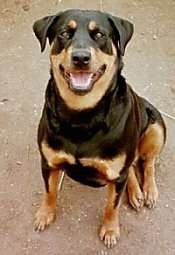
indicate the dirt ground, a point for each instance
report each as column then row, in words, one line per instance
column 24, row 71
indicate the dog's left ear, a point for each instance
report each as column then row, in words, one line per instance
column 41, row 29
column 125, row 30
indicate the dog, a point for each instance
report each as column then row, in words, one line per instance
column 93, row 125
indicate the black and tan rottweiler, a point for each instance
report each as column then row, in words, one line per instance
column 94, row 126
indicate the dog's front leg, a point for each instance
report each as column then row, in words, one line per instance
column 110, row 230
column 47, row 211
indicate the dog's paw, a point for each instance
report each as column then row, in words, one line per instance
column 109, row 236
column 150, row 192
column 136, row 198
column 44, row 217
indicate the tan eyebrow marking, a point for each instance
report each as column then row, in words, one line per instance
column 92, row 25
column 72, row 24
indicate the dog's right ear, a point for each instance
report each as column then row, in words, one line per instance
column 41, row 28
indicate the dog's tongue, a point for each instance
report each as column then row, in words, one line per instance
column 81, row 80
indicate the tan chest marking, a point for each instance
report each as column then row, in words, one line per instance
column 110, row 168
column 54, row 158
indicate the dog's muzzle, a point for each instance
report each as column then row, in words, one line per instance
column 81, row 81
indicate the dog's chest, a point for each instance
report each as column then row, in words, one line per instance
column 93, row 171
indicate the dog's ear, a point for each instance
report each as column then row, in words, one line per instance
column 125, row 30
column 41, row 28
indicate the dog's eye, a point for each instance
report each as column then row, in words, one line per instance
column 98, row 35
column 65, row 35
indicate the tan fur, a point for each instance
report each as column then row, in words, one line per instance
column 92, row 25
column 72, row 24
column 89, row 100
column 47, row 212
column 150, row 146
column 110, row 230
column 54, row 158
column 134, row 192
column 110, row 168
column 152, row 141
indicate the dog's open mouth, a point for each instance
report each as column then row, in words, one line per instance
column 81, row 81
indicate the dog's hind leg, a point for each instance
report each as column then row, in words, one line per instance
column 134, row 192
column 150, row 146
column 47, row 211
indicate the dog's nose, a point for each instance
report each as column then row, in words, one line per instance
column 81, row 57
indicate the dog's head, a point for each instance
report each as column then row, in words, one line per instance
column 86, row 50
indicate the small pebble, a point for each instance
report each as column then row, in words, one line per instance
column 19, row 163
column 26, row 7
